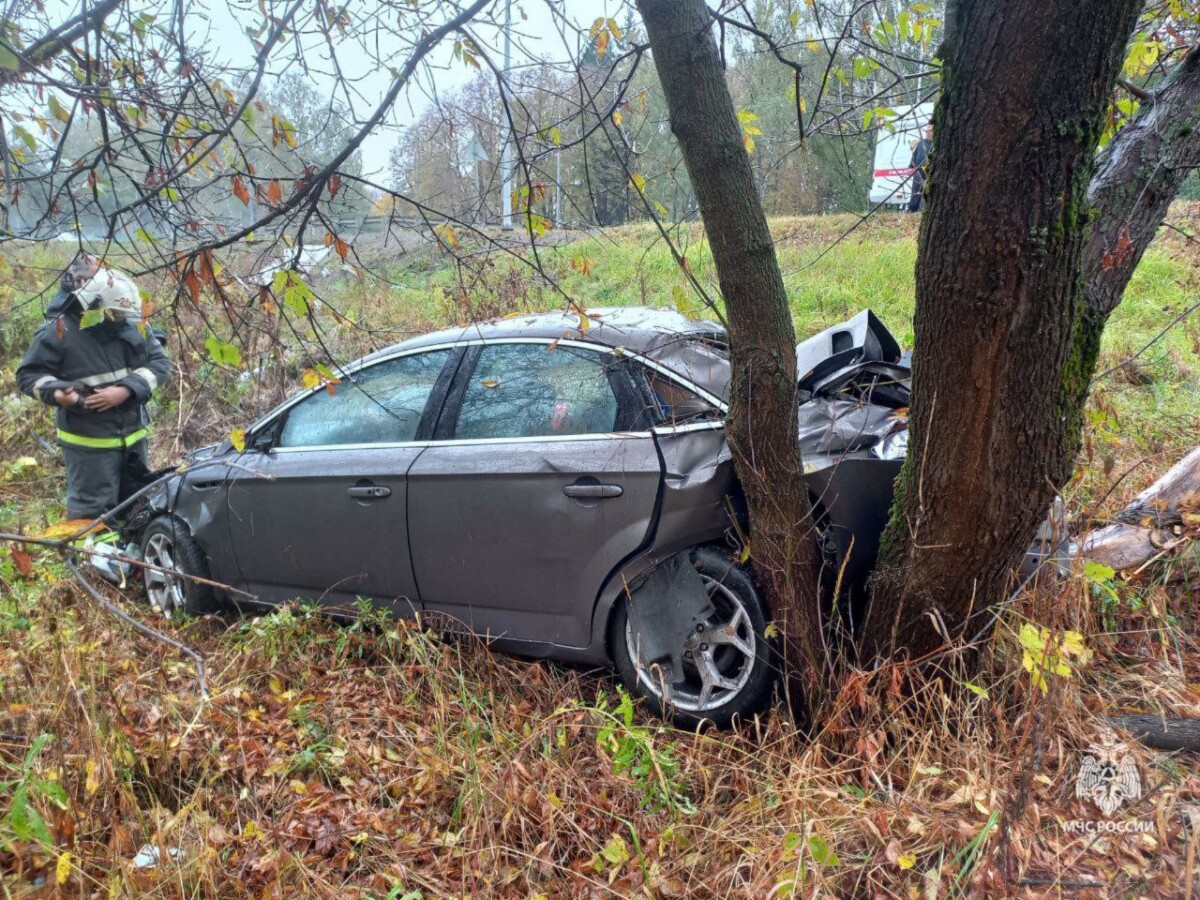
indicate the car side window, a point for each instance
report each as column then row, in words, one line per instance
column 380, row 404
column 676, row 404
column 537, row 390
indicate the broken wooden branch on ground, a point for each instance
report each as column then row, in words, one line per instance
column 1153, row 524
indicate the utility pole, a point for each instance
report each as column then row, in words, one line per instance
column 506, row 153
column 558, row 188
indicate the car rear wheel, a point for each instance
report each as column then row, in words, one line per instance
column 728, row 663
column 167, row 544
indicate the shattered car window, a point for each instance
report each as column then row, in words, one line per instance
column 382, row 404
column 534, row 390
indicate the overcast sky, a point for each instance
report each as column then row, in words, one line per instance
column 536, row 35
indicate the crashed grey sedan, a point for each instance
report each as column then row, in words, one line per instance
column 560, row 486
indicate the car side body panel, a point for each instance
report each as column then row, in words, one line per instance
column 303, row 523
column 500, row 546
column 199, row 497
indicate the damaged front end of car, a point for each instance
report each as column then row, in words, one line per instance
column 855, row 387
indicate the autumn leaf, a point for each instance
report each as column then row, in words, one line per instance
column 342, row 248
column 335, row 184
column 62, row 870
column 57, row 110
column 222, row 352
column 274, row 193
column 66, row 528
column 821, row 852
column 192, row 284
column 237, row 437
column 239, row 189
column 447, row 236
column 22, row 560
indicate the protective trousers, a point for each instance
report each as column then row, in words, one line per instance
column 99, row 479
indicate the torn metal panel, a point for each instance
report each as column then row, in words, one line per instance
column 664, row 610
column 844, row 426
column 700, row 493
column 860, row 339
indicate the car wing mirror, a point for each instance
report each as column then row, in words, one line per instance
column 263, row 441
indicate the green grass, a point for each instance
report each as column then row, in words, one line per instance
column 828, row 279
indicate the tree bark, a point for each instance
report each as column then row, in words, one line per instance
column 1003, row 348
column 1138, row 174
column 762, row 420
column 1159, row 732
column 1138, row 534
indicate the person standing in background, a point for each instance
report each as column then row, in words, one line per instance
column 920, row 166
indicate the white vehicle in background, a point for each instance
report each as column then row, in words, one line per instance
column 894, row 143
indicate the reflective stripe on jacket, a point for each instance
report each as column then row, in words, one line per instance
column 110, row 353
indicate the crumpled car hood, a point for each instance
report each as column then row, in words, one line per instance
column 855, row 388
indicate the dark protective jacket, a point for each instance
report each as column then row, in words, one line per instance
column 920, row 162
column 110, row 353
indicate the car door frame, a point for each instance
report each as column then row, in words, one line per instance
column 647, row 554
column 269, row 425
column 262, row 435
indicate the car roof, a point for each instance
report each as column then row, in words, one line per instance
column 639, row 329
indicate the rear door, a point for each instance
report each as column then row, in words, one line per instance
column 542, row 479
column 323, row 514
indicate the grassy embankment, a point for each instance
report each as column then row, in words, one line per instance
column 355, row 760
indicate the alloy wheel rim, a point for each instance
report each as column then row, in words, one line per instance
column 718, row 657
column 165, row 590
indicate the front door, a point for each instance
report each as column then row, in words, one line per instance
column 542, row 485
column 322, row 515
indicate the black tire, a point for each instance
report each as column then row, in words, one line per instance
column 166, row 541
column 728, row 582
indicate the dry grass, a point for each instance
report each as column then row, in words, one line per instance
column 373, row 760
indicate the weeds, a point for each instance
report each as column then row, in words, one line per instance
column 653, row 769
column 28, row 789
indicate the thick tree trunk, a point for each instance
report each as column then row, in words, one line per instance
column 1003, row 349
column 762, row 422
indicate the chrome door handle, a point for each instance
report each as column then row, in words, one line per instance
column 369, row 491
column 593, row 491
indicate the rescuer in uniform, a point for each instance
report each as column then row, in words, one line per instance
column 98, row 364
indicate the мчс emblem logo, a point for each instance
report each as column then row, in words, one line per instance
column 1108, row 776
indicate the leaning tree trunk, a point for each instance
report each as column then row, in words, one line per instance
column 1003, row 348
column 762, row 418
column 1138, row 174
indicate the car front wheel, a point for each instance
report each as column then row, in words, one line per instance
column 168, row 545
column 728, row 663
